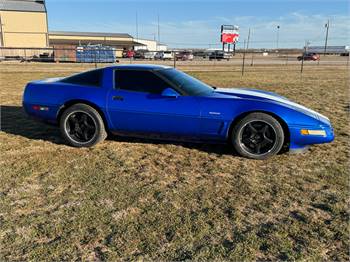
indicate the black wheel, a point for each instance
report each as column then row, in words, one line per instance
column 82, row 126
column 258, row 136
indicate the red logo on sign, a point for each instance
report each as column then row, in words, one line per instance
column 228, row 38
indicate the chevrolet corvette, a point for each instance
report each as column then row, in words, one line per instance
column 156, row 101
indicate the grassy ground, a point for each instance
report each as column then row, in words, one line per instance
column 137, row 199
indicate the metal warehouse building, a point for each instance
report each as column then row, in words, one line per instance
column 24, row 24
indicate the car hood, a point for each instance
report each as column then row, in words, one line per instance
column 261, row 95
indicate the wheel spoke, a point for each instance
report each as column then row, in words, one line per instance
column 258, row 148
column 88, row 125
column 265, row 129
column 251, row 128
column 73, row 120
column 85, row 135
column 84, row 119
column 246, row 141
column 268, row 140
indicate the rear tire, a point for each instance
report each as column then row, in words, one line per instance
column 257, row 136
column 82, row 126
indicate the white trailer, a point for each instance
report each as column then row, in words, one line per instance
column 330, row 50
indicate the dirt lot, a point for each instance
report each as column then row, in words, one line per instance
column 138, row 199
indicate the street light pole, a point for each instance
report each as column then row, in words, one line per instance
column 278, row 36
column 326, row 41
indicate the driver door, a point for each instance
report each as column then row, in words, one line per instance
column 136, row 105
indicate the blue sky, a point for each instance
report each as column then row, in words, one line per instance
column 195, row 23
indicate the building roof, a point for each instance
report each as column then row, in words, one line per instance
column 69, row 33
column 23, row 5
column 83, row 38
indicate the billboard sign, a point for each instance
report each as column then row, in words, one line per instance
column 229, row 34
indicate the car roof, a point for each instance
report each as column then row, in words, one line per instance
column 139, row 66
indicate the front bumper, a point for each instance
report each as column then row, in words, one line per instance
column 319, row 134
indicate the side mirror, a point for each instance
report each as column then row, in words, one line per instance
column 169, row 92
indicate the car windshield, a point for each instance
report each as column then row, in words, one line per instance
column 190, row 85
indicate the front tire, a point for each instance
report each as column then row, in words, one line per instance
column 257, row 136
column 82, row 126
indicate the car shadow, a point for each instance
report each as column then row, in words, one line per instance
column 220, row 149
column 15, row 121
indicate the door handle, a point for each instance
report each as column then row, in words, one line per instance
column 119, row 98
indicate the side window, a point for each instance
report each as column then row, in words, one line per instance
column 90, row 78
column 139, row 81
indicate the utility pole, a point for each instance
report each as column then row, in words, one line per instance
column 248, row 38
column 326, row 41
column 245, row 50
column 158, row 30
column 251, row 63
column 137, row 27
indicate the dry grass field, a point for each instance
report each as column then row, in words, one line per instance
column 131, row 199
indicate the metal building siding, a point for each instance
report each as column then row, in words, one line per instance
column 23, row 5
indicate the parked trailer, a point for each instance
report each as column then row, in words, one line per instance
column 65, row 53
column 330, row 50
column 95, row 54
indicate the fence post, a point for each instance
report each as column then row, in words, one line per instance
column 174, row 54
column 252, row 62
column 302, row 58
column 302, row 64
column 243, row 59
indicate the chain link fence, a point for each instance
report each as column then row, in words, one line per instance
column 242, row 60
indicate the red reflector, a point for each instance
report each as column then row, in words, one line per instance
column 40, row 108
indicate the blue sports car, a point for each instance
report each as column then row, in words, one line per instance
column 158, row 101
